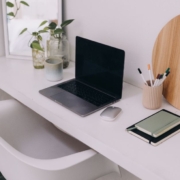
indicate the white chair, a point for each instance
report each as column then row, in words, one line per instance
column 111, row 176
column 4, row 95
column 31, row 148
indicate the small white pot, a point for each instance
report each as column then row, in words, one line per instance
column 54, row 69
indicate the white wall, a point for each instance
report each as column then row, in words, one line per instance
column 132, row 25
column 2, row 53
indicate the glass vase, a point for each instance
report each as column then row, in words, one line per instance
column 38, row 58
column 58, row 48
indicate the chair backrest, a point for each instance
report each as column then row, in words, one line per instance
column 111, row 176
column 33, row 135
column 22, row 131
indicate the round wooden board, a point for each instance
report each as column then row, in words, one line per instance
column 166, row 53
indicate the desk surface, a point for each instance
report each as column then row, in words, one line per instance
column 19, row 79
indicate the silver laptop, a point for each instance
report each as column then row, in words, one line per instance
column 98, row 79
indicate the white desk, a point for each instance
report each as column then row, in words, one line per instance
column 19, row 79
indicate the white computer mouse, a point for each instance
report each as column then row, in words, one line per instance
column 110, row 113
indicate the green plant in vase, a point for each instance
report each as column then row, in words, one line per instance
column 35, row 43
column 58, row 46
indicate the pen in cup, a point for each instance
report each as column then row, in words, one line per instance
column 167, row 70
column 140, row 72
column 165, row 77
column 150, row 74
column 157, row 78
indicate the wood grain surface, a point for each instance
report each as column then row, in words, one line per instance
column 166, row 53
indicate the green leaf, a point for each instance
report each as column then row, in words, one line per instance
column 52, row 25
column 58, row 31
column 34, row 33
column 11, row 14
column 37, row 46
column 25, row 29
column 44, row 22
column 35, row 41
column 46, row 28
column 39, row 38
column 65, row 23
column 25, row 3
column 9, row 4
column 42, row 31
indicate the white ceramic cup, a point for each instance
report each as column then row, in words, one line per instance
column 54, row 69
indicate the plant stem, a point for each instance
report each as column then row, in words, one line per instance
column 17, row 9
column 59, row 41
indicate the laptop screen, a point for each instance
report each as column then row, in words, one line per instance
column 100, row 66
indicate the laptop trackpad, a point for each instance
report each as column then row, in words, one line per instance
column 73, row 103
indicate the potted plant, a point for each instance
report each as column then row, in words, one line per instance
column 36, row 44
column 58, row 46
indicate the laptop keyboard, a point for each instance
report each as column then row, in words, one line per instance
column 87, row 93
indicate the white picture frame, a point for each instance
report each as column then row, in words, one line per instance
column 6, row 41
